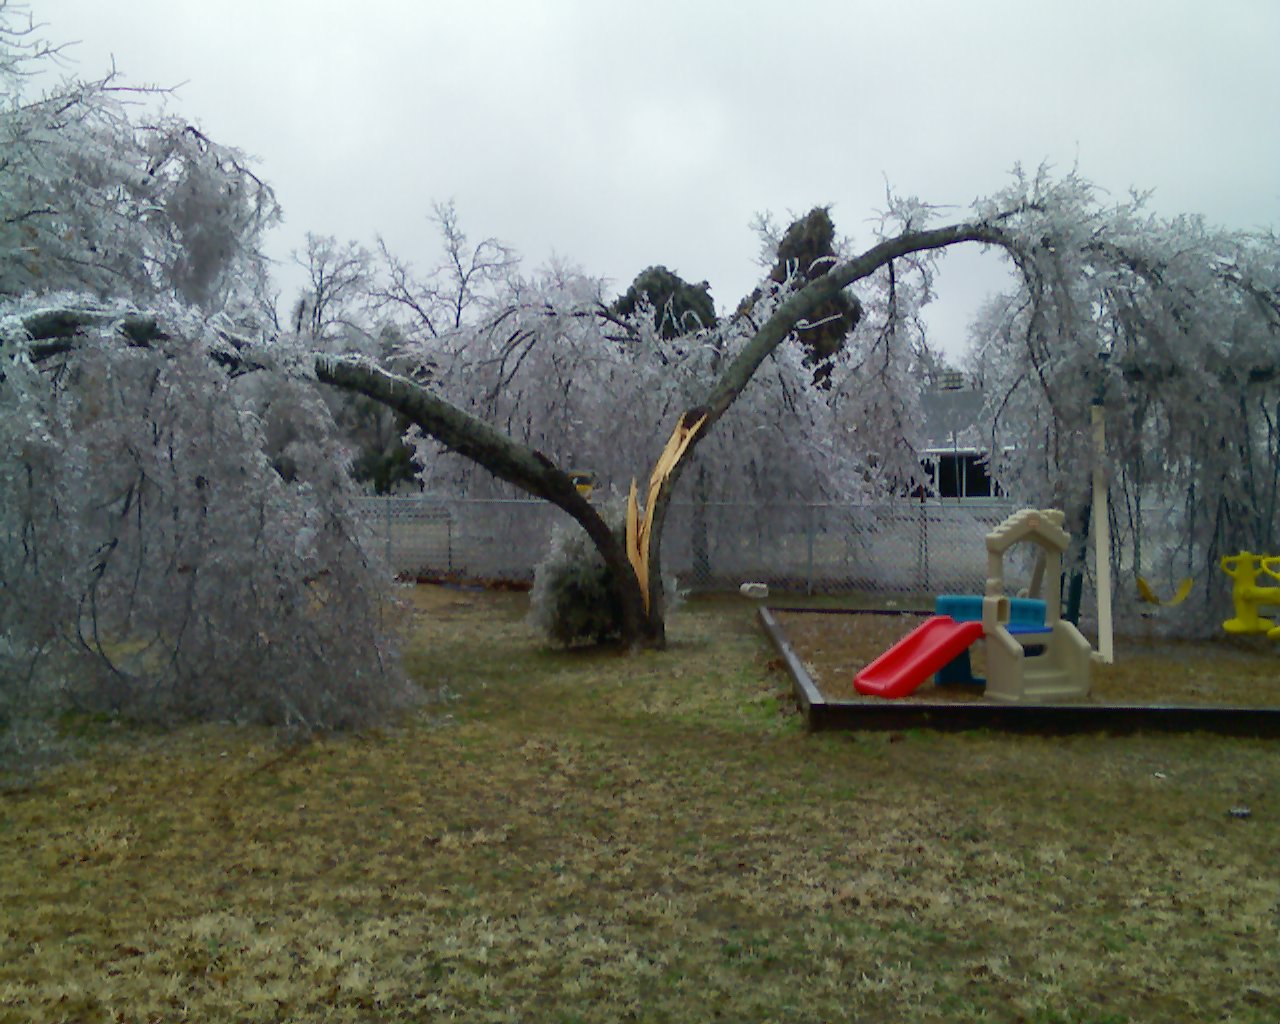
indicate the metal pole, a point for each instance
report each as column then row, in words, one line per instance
column 810, row 526
column 922, row 559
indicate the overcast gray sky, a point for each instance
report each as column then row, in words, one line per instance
column 622, row 134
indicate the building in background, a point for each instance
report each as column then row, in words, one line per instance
column 954, row 457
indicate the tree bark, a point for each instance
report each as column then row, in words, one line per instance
column 57, row 331
column 506, row 459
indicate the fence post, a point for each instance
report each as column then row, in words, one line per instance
column 448, row 537
column 810, row 526
column 386, row 503
column 922, row 552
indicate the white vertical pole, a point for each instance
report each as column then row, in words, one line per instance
column 1101, row 536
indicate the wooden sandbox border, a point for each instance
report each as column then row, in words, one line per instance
column 822, row 714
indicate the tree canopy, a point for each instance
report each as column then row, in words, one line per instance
column 808, row 248
column 678, row 307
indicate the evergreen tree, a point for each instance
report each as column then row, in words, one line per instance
column 678, row 307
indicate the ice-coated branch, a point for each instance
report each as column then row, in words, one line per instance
column 778, row 327
column 502, row 456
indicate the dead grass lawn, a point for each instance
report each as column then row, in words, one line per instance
column 587, row 837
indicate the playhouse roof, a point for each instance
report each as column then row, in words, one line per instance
column 1043, row 526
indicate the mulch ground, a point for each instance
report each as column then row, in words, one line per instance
column 1241, row 671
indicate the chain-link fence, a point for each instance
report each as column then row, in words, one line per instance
column 900, row 547
column 469, row 539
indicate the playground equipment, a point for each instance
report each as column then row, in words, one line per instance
column 1101, row 530
column 1147, row 594
column 1247, row 596
column 1061, row 670
column 1026, row 615
column 933, row 644
column 1035, row 656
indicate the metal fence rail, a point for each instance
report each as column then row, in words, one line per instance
column 899, row 547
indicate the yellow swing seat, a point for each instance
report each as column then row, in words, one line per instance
column 1150, row 596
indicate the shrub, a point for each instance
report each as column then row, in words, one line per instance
column 572, row 599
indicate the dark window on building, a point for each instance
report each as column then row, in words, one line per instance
column 977, row 484
column 949, row 477
column 960, row 475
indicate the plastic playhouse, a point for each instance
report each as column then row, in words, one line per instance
column 1033, row 654
column 1026, row 615
column 1248, row 597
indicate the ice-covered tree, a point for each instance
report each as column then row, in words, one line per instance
column 104, row 195
column 338, row 310
column 583, row 379
column 154, row 560
column 497, row 367
column 1174, row 327
column 1186, row 313
column 175, row 540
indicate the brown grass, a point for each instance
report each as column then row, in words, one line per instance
column 589, row 837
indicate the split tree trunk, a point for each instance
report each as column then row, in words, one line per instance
column 508, row 460
column 772, row 333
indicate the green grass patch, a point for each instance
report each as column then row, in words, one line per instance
column 591, row 836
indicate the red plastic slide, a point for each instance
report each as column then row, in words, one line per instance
column 917, row 656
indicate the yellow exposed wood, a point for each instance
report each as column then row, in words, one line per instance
column 638, row 546
column 638, row 530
